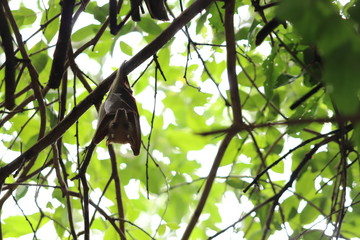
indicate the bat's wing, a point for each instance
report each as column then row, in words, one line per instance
column 103, row 125
column 127, row 103
column 119, row 107
column 124, row 101
column 120, row 99
column 135, row 138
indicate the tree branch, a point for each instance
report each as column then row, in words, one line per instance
column 231, row 61
column 200, row 206
column 10, row 60
column 57, row 68
column 119, row 202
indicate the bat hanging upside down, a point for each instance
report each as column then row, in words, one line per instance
column 119, row 116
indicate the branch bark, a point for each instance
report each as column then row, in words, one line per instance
column 62, row 45
column 231, row 62
column 10, row 60
column 200, row 206
column 119, row 201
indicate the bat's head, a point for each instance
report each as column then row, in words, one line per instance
column 119, row 128
column 123, row 129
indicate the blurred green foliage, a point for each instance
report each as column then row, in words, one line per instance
column 186, row 95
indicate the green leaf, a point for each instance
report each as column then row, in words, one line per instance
column 111, row 234
column 284, row 79
column 200, row 22
column 268, row 68
column 254, row 29
column 304, row 111
column 355, row 137
column 350, row 225
column 39, row 61
column 353, row 11
column 279, row 168
column 243, row 33
column 24, row 16
column 181, row 138
column 275, row 140
column 243, row 76
column 251, row 101
column 313, row 234
column 50, row 20
column 161, row 230
column 236, row 183
column 60, row 216
column 17, row 226
column 21, row 192
column 99, row 13
column 232, row 151
column 339, row 76
column 173, row 225
column 150, row 26
column 99, row 224
column 305, row 185
column 84, row 34
column 308, row 214
column 125, row 48
column 216, row 24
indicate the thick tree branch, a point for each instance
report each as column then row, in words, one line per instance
column 231, row 61
column 57, row 68
column 10, row 60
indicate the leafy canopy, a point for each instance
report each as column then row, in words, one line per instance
column 249, row 113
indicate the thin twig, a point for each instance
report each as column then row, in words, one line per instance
column 119, row 201
column 201, row 204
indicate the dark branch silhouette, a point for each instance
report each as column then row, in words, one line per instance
column 10, row 60
column 62, row 45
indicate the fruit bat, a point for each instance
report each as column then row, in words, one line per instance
column 119, row 116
